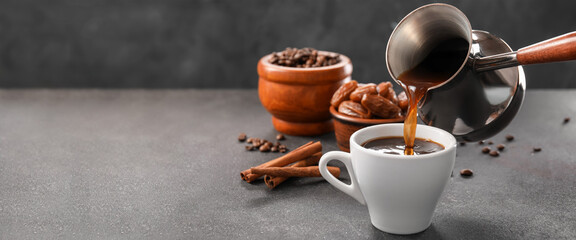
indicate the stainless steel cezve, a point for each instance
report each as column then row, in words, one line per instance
column 485, row 94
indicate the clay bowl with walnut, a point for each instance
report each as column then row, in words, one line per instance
column 299, row 98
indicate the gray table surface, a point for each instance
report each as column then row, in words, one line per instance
column 165, row 164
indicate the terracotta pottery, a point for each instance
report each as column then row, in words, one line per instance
column 299, row 98
column 345, row 125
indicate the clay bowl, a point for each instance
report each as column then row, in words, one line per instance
column 345, row 125
column 299, row 98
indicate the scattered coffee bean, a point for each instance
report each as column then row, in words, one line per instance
column 509, row 138
column 466, row 173
column 462, row 143
column 486, row 150
column 264, row 148
column 566, row 120
column 242, row 137
column 263, row 145
column 280, row 136
column 490, row 142
column 256, row 142
column 303, row 58
column 481, row 142
column 501, row 147
column 494, row 153
column 536, row 149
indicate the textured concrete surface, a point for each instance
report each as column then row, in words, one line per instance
column 134, row 164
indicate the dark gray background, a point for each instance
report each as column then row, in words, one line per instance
column 216, row 44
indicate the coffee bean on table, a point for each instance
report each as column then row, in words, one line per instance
column 282, row 148
column 509, row 138
column 501, row 147
column 486, row 150
column 536, row 149
column 494, row 153
column 263, row 145
column 256, row 142
column 466, row 172
column 242, row 137
column 481, row 142
column 566, row 120
column 280, row 136
column 264, row 148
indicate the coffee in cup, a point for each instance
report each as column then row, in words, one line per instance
column 395, row 145
column 400, row 191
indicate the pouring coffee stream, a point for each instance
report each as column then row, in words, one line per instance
column 472, row 89
column 436, row 68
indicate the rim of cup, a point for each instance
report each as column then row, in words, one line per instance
column 451, row 142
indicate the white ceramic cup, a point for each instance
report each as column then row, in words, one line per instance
column 401, row 192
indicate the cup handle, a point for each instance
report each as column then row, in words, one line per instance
column 353, row 190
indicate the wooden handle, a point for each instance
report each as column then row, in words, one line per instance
column 561, row 48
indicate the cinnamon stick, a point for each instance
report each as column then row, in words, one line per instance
column 309, row 171
column 273, row 181
column 300, row 153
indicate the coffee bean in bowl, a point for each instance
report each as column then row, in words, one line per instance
column 296, row 85
column 304, row 58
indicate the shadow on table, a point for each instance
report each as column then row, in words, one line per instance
column 459, row 228
column 296, row 187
